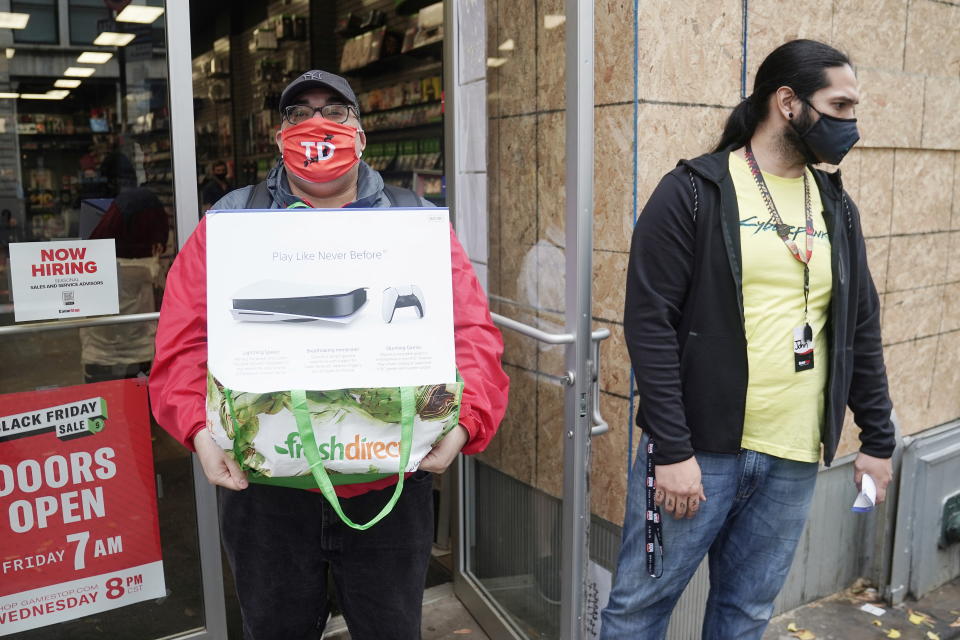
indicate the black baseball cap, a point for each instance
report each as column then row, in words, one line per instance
column 317, row 79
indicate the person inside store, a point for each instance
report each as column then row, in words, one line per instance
column 216, row 187
column 139, row 225
column 748, row 259
column 280, row 542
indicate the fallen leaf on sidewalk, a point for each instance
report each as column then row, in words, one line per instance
column 804, row 634
column 877, row 623
column 918, row 618
column 792, row 627
column 893, row 633
column 955, row 623
column 932, row 636
column 462, row 632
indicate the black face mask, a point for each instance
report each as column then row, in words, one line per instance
column 829, row 139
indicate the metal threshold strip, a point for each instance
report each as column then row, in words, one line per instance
column 79, row 323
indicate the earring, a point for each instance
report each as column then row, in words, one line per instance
column 790, row 115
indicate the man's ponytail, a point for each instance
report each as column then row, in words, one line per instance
column 740, row 126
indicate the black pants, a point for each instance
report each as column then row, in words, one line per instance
column 281, row 542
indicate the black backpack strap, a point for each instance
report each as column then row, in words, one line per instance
column 259, row 197
column 401, row 198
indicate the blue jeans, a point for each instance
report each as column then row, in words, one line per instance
column 754, row 514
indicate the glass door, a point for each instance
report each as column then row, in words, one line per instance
column 524, row 503
column 90, row 123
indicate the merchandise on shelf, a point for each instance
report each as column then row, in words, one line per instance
column 369, row 47
column 411, row 92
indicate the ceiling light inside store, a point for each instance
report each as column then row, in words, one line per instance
column 13, row 20
column 114, row 39
column 553, row 21
column 496, row 62
column 139, row 14
column 79, row 72
column 59, row 94
column 63, row 83
column 9, row 95
column 507, row 45
column 94, row 57
column 10, row 52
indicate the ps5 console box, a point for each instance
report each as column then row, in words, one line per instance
column 330, row 338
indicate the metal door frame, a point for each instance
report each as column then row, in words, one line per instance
column 582, row 356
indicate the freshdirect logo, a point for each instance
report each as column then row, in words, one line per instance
column 359, row 449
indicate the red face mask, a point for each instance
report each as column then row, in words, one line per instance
column 318, row 150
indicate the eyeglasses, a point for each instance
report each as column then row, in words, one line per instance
column 297, row 113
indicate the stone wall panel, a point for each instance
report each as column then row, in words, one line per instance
column 613, row 52
column 770, row 23
column 518, row 439
column 609, row 282
column 551, row 178
column 933, row 38
column 941, row 122
column 944, row 399
column 923, row 190
column 917, row 261
column 951, row 310
column 608, row 468
column 908, row 315
column 871, row 32
column 910, row 371
column 613, row 166
column 890, row 113
column 517, row 77
column 551, row 55
column 875, row 197
column 550, row 430
column 690, row 51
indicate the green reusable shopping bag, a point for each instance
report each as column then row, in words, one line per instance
column 262, row 419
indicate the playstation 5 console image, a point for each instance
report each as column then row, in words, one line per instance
column 274, row 301
column 402, row 297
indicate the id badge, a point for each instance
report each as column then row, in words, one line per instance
column 802, row 351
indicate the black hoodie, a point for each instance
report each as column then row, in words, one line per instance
column 684, row 328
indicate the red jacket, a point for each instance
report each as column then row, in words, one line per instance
column 178, row 384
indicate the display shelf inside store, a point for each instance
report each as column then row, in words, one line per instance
column 429, row 103
column 401, row 61
column 409, row 128
column 408, row 7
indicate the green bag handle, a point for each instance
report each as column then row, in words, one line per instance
column 408, row 407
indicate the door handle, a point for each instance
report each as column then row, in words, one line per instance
column 600, row 425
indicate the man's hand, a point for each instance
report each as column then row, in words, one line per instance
column 219, row 468
column 446, row 450
column 678, row 488
column 880, row 469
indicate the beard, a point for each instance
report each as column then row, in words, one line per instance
column 790, row 145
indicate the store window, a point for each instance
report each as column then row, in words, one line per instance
column 390, row 52
column 84, row 16
column 43, row 25
column 86, row 205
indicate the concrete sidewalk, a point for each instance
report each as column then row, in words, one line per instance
column 936, row 616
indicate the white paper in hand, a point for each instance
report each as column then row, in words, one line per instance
column 867, row 497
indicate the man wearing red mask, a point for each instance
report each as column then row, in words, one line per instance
column 281, row 543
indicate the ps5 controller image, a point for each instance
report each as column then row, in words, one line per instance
column 401, row 297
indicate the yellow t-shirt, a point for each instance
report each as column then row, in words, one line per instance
column 785, row 408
